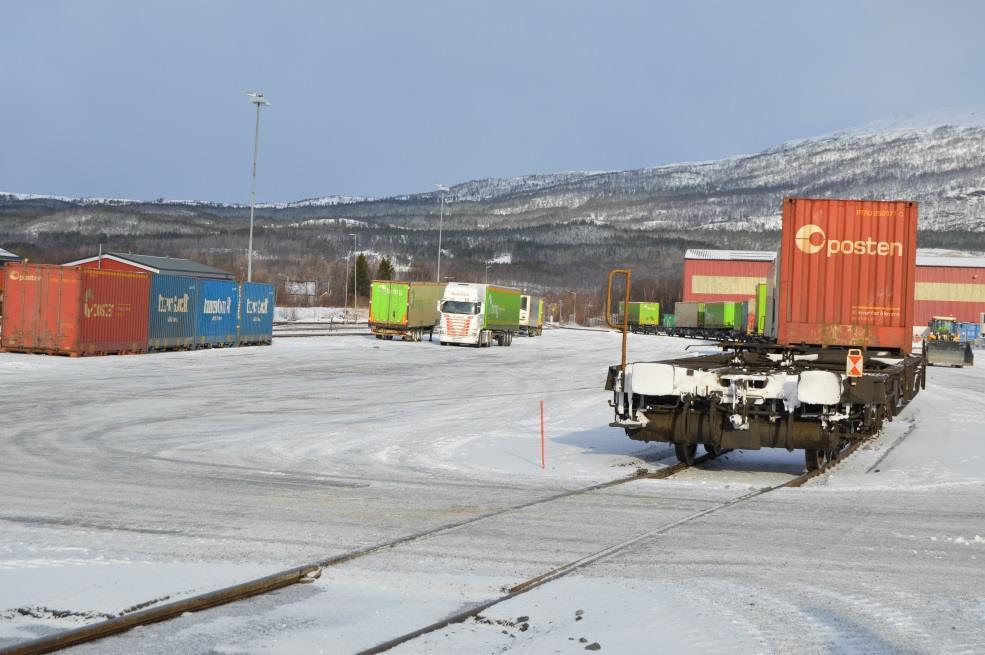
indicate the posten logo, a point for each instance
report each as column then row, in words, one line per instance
column 811, row 239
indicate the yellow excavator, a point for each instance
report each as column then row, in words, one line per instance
column 944, row 346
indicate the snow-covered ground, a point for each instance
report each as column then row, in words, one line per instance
column 130, row 479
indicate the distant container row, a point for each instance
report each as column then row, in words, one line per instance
column 718, row 318
column 470, row 314
column 91, row 311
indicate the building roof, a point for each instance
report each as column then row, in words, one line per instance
column 7, row 256
column 732, row 255
column 952, row 262
column 163, row 265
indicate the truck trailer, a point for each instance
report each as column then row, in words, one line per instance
column 478, row 314
column 404, row 309
column 531, row 315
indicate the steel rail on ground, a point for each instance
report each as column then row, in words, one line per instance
column 309, row 572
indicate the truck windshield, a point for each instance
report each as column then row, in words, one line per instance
column 457, row 307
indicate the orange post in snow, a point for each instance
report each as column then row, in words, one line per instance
column 543, row 462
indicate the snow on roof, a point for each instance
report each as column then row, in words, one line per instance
column 164, row 265
column 730, row 255
column 953, row 262
column 7, row 256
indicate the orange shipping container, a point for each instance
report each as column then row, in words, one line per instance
column 74, row 311
column 847, row 271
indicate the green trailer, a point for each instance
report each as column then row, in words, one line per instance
column 643, row 316
column 761, row 302
column 502, row 309
column 404, row 309
column 725, row 316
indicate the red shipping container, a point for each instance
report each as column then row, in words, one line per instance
column 74, row 311
column 847, row 271
column 724, row 275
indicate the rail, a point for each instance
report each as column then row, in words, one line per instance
column 311, row 571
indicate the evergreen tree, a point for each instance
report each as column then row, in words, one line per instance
column 362, row 275
column 385, row 270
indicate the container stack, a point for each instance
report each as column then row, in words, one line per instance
column 86, row 310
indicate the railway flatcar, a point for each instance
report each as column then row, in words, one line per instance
column 841, row 363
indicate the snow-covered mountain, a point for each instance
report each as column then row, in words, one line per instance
column 942, row 167
column 555, row 230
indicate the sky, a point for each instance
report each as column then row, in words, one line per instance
column 368, row 98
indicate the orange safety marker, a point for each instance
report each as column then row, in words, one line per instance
column 543, row 461
column 853, row 364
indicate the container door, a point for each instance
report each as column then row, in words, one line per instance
column 379, row 302
column 399, row 301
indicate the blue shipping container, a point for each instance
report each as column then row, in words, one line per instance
column 256, row 313
column 968, row 331
column 172, row 308
column 218, row 309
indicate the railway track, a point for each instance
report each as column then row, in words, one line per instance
column 294, row 329
column 309, row 572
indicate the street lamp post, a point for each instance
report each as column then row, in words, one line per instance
column 345, row 286
column 487, row 272
column 355, row 282
column 443, row 191
column 257, row 99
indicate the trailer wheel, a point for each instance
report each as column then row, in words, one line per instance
column 712, row 450
column 813, row 459
column 685, row 452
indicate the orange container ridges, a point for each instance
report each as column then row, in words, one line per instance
column 847, row 272
column 74, row 311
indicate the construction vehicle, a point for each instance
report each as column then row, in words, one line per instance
column 944, row 345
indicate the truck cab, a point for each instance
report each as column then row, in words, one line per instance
column 478, row 314
column 462, row 314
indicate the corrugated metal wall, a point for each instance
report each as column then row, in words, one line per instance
column 218, row 309
column 256, row 313
column 847, row 273
column 712, row 280
column 173, row 305
column 949, row 291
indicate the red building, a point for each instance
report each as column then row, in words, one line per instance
column 949, row 286
column 118, row 261
column 725, row 275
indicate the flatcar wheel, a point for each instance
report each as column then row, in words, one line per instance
column 813, row 459
column 712, row 450
column 686, row 452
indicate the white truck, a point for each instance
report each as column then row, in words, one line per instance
column 478, row 314
column 531, row 315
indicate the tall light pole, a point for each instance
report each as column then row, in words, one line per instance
column 443, row 191
column 345, row 285
column 355, row 282
column 257, row 99
column 487, row 273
